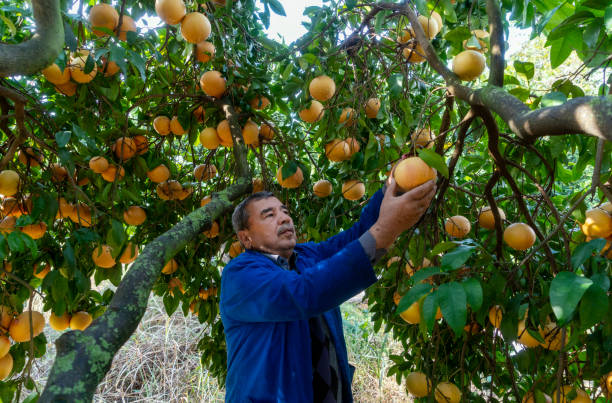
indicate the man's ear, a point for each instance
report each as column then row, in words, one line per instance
column 244, row 238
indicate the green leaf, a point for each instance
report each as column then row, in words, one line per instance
column 453, row 303
column 426, row 272
column 586, row 250
column 171, row 303
column 566, row 290
column 277, row 7
column 596, row 4
column 525, row 68
column 62, row 138
column 287, row 71
column 412, row 296
column 32, row 398
column 608, row 19
column 68, row 253
column 593, row 306
column 434, row 160
column 473, row 293
column 553, row 99
column 289, row 169
column 59, row 287
column 457, row 257
column 561, row 48
column 4, row 249
column 442, row 247
column 430, row 308
column 16, row 242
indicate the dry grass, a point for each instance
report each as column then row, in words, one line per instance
column 160, row 362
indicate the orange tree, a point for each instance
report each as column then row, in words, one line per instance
column 123, row 135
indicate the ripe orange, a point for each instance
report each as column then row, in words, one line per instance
column 77, row 68
column 205, row 200
column 553, row 337
column 170, row 267
column 353, row 189
column 371, row 107
column 6, row 313
column 412, row 172
column 205, row 172
column 127, row 24
column 130, row 253
column 524, row 337
column 250, row 132
column 9, row 182
column 480, row 34
column 607, row 207
column 266, row 132
column 113, row 173
column 457, row 226
column 98, row 164
column 411, row 269
column 486, row 219
column 322, row 188
column 55, row 75
column 259, row 102
column 125, row 148
column 134, row 215
column 102, row 257
column 434, row 15
column 169, row 190
column 258, row 185
column 519, row 236
column 58, row 173
column 205, row 51
column 175, row 283
column 597, row 223
column 581, row 395
column 199, row 113
column 6, row 366
column 213, row 84
column 235, row 249
column 195, row 27
column 422, row 138
column 447, row 392
column 59, row 323
column 5, row 345
column 159, row 174
column 291, row 182
column 213, row 231
column 348, row 117
column 414, row 53
column 170, row 11
column 322, row 88
column 80, row 320
column 418, row 384
column 406, row 35
column 430, row 26
column 337, row 150
column 353, row 145
column 175, row 127
column 103, row 15
column 225, row 134
column 35, row 231
column 209, row 138
column 313, row 113
column 68, row 89
column 161, row 124
column 412, row 315
column 29, row 157
column 495, row 316
column 41, row 273
column 142, row 144
column 469, row 65
column 19, row 330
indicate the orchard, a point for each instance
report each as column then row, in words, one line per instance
column 129, row 130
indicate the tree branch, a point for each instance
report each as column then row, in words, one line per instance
column 41, row 50
column 496, row 75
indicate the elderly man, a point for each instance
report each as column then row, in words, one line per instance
column 280, row 299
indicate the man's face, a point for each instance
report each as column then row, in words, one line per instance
column 270, row 228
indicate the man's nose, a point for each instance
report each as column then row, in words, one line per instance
column 284, row 217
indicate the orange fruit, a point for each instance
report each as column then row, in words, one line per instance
column 98, row 164
column 102, row 257
column 322, row 188
column 430, row 26
column 28, row 157
column 161, row 124
column 292, row 181
column 353, row 189
column 469, row 65
column 6, row 313
column 411, row 268
column 597, row 223
column 170, row 267
column 371, row 107
column 6, row 366
column 80, row 320
column 337, row 150
column 125, row 148
column 103, row 15
column 418, row 384
column 159, row 174
column 205, row 172
column 412, row 315
column 58, row 173
column 406, row 35
column 175, row 127
column 213, row 231
column 35, row 231
column 134, row 215
column 348, row 117
column 195, row 27
column 530, row 398
column 479, row 34
column 313, row 113
column 250, row 132
column 205, row 200
column 169, row 190
column 9, row 182
column 322, row 88
column 258, row 185
column 109, row 68
column 41, row 273
column 68, row 89
column 235, row 249
column 175, row 283
column 607, row 207
column 353, row 145
column 495, row 316
column 5, row 345
column 209, row 138
column 486, row 219
column 130, row 253
column 581, row 395
column 55, row 75
column 112, row 173
column 59, row 323
column 259, row 102
column 422, row 138
column 199, row 113
column 457, row 226
column 224, row 133
column 266, row 131
column 19, row 330
column 447, row 392
column 213, row 84
column 77, row 68
column 127, row 25
column 142, row 144
column 170, row 11
column 553, row 337
column 205, row 51
column 414, row 53
column 524, row 337
column 412, row 172
column 519, row 236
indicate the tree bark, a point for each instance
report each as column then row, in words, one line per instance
column 41, row 50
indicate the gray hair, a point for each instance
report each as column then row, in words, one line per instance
column 240, row 216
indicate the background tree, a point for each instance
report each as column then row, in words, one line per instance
column 116, row 146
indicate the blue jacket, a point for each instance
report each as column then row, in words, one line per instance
column 265, row 311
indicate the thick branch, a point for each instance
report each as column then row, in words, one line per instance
column 496, row 75
column 41, row 50
column 84, row 358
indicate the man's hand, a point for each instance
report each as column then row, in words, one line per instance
column 399, row 213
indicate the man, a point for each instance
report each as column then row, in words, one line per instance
column 280, row 300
